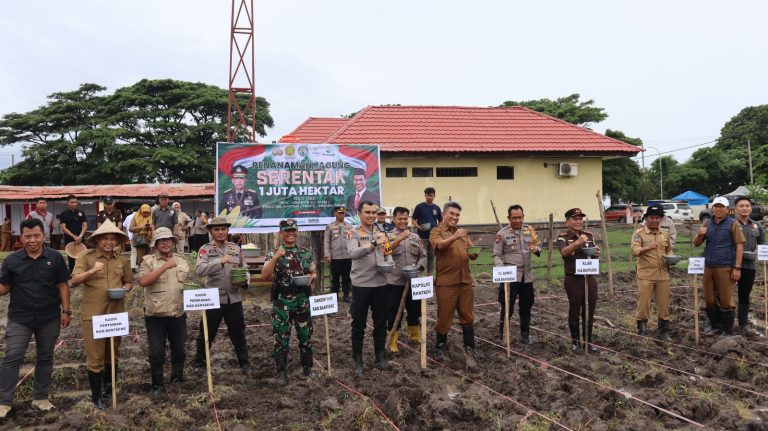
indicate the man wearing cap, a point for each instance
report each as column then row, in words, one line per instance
column 164, row 215
column 513, row 246
column 723, row 255
column 427, row 216
column 162, row 275
column 650, row 244
column 753, row 235
column 381, row 221
column 99, row 269
column 453, row 281
column 74, row 225
column 290, row 303
column 570, row 242
column 407, row 250
column 366, row 249
column 239, row 196
column 215, row 261
column 361, row 192
column 335, row 252
column 36, row 277
column 110, row 212
column 41, row 213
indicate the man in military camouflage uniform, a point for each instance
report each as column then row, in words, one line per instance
column 246, row 199
column 290, row 303
column 215, row 261
column 335, row 251
column 514, row 245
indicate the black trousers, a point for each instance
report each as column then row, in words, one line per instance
column 413, row 308
column 574, row 288
column 340, row 269
column 525, row 292
column 364, row 298
column 232, row 314
column 745, row 285
column 160, row 329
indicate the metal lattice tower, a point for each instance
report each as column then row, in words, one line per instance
column 241, row 114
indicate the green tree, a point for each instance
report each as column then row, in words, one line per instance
column 622, row 178
column 658, row 180
column 569, row 108
column 152, row 131
column 748, row 127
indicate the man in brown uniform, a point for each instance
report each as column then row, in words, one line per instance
column 99, row 269
column 650, row 244
column 453, row 280
column 570, row 243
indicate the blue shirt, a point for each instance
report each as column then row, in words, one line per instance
column 427, row 213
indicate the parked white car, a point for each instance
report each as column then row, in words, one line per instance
column 677, row 210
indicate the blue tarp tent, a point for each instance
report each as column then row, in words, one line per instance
column 692, row 198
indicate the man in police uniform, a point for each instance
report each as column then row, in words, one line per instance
column 110, row 213
column 99, row 269
column 290, row 303
column 215, row 261
column 162, row 275
column 753, row 235
column 513, row 246
column 246, row 199
column 650, row 244
column 335, row 251
column 570, row 242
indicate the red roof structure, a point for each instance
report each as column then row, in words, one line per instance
column 125, row 191
column 461, row 129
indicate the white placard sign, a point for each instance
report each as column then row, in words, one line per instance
column 695, row 265
column 762, row 252
column 110, row 325
column 587, row 266
column 422, row 288
column 323, row 304
column 505, row 274
column 201, row 299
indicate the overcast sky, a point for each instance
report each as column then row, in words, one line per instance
column 669, row 72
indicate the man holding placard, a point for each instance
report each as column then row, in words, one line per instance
column 36, row 277
column 162, row 275
column 367, row 249
column 453, row 280
column 650, row 244
column 407, row 250
column 99, row 269
column 513, row 246
column 723, row 255
column 753, row 235
column 215, row 261
column 290, row 298
column 571, row 244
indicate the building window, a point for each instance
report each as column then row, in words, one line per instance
column 505, row 172
column 456, row 172
column 422, row 172
column 397, row 172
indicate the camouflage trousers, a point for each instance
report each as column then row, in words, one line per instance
column 288, row 311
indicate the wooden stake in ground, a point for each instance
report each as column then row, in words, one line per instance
column 327, row 343
column 423, row 334
column 506, row 318
column 605, row 242
column 695, row 308
column 586, row 312
column 550, row 247
column 207, row 353
column 765, row 291
column 112, row 360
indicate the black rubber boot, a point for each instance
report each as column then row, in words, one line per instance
column 106, row 387
column 306, row 362
column 714, row 324
column 726, row 317
column 158, row 388
column 744, row 326
column 177, row 372
column 357, row 356
column 642, row 327
column 381, row 354
column 241, row 351
column 95, row 382
column 575, row 342
column 525, row 329
column 590, row 346
column 280, row 363
column 442, row 339
column 664, row 330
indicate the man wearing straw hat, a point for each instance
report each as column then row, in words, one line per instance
column 215, row 261
column 290, row 302
column 99, row 269
column 162, row 275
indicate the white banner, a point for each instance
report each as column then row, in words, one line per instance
column 505, row 274
column 201, row 299
column 110, row 325
column 762, row 252
column 323, row 304
column 587, row 266
column 695, row 265
column 422, row 288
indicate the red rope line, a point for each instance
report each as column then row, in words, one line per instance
column 215, row 412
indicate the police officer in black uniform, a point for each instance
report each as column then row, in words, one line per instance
column 246, row 199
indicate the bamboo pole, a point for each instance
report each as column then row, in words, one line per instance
column 207, row 352
column 113, row 376
column 506, row 318
column 423, row 334
column 550, row 246
column 605, row 242
column 586, row 313
column 327, row 343
column 696, row 308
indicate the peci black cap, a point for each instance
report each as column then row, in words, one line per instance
column 656, row 210
column 574, row 212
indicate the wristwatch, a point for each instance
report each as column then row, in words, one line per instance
column 737, row 267
column 67, row 312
